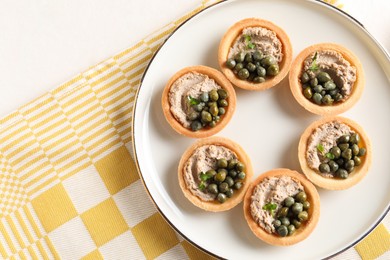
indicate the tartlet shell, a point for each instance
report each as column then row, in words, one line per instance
column 221, row 80
column 334, row 183
column 215, row 206
column 296, row 87
column 307, row 227
column 231, row 35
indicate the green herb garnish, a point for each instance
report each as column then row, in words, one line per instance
column 320, row 148
column 314, row 66
column 193, row 101
column 329, row 156
column 270, row 207
column 202, row 185
column 205, row 176
column 248, row 41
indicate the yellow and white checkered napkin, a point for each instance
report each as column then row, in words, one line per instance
column 69, row 188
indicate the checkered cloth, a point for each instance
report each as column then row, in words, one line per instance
column 69, row 188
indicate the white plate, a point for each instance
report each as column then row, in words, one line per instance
column 268, row 125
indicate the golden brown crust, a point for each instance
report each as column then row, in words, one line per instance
column 338, row 108
column 334, row 183
column 215, row 206
column 231, row 35
column 301, row 233
column 220, row 80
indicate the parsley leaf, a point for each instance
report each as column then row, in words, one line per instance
column 205, row 176
column 329, row 155
column 193, row 101
column 320, row 148
column 202, row 185
column 270, row 207
column 248, row 41
column 314, row 66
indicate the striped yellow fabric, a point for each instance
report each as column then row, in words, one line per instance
column 69, row 188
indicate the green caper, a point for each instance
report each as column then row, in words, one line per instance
column 282, row 231
column 336, row 151
column 212, row 124
column 261, row 72
column 357, row 160
column 296, row 223
column 340, row 161
column 258, row 79
column 198, row 107
column 240, row 57
column 329, row 85
column 229, row 193
column 214, row 95
column 223, row 102
column 314, row 82
column 243, row 74
column 344, row 139
column 206, row 117
column 248, row 57
column 273, row 70
column 222, row 163
column 349, row 165
column 223, row 187
column 291, row 229
column 241, row 175
column 230, row 63
column 196, row 125
column 233, row 173
column 238, row 67
column 303, row 216
column 341, row 173
column 323, row 77
column 317, row 97
column 306, row 205
column 324, row 168
column 257, row 56
column 222, row 93
column 308, row 93
column 333, row 166
column 343, row 147
column 333, row 92
column 289, row 201
column 318, row 89
column 240, row 166
column 221, row 111
column 297, row 207
column 283, row 212
column 212, row 188
column 204, row 97
column 211, row 173
column 355, row 149
column 267, row 61
column 221, row 197
column 229, row 180
column 355, row 138
column 277, row 223
column 214, row 110
column 347, row 154
column 220, row 176
column 285, row 221
column 301, row 197
column 323, row 93
column 251, row 67
column 362, row 151
column 216, row 118
column 237, row 185
column 193, row 116
column 327, row 100
column 232, row 163
column 338, row 97
column 305, row 78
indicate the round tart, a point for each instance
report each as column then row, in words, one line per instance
column 232, row 173
column 198, row 101
column 275, row 188
column 267, row 49
column 326, row 79
column 324, row 143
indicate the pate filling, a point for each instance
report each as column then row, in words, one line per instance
column 203, row 159
column 332, row 62
column 261, row 39
column 326, row 136
column 191, row 85
column 271, row 190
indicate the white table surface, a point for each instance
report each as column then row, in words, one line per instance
column 44, row 43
